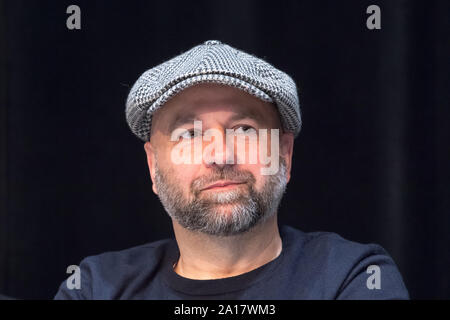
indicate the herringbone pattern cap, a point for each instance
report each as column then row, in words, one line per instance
column 214, row 62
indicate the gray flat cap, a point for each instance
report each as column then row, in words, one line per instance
column 214, row 62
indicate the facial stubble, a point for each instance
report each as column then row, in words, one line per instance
column 222, row 213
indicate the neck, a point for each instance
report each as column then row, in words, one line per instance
column 204, row 256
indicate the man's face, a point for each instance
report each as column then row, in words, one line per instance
column 217, row 197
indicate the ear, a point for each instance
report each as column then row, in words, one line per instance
column 287, row 150
column 150, row 151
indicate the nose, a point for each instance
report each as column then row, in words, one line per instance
column 218, row 152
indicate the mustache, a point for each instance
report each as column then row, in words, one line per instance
column 226, row 173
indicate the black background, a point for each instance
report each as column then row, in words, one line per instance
column 372, row 162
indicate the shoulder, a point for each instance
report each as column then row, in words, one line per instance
column 148, row 254
column 329, row 245
column 343, row 266
column 110, row 274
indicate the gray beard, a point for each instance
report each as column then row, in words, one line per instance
column 205, row 213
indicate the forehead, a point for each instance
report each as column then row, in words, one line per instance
column 208, row 98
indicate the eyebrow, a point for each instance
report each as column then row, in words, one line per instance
column 250, row 114
column 190, row 118
column 182, row 119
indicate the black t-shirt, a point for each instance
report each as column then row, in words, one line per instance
column 316, row 265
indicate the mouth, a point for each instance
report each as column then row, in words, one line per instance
column 223, row 185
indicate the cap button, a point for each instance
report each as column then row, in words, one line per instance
column 212, row 42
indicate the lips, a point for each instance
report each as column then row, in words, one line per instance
column 222, row 184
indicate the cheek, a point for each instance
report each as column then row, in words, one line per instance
column 255, row 170
column 263, row 149
column 181, row 175
column 184, row 174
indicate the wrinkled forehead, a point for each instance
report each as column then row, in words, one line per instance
column 219, row 101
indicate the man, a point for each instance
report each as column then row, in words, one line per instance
column 219, row 128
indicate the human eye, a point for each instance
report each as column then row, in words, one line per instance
column 188, row 134
column 244, row 129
